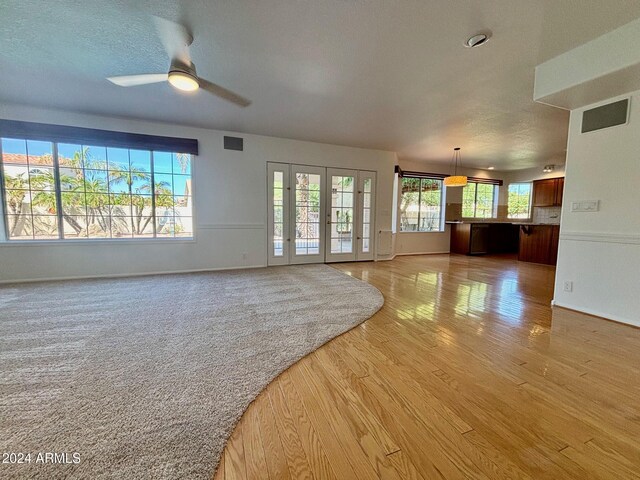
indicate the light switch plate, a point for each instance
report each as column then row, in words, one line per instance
column 585, row 206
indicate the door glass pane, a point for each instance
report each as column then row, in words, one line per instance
column 342, row 214
column 278, row 217
column 307, row 210
column 366, row 215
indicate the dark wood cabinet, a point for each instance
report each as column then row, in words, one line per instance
column 555, row 240
column 559, row 191
column 533, row 243
column 480, row 238
column 548, row 193
column 544, row 193
column 539, row 244
column 460, row 237
column 503, row 238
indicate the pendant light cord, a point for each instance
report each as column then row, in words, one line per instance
column 456, row 158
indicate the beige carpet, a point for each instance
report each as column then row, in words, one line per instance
column 145, row 377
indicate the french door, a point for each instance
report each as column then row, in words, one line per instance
column 365, row 229
column 296, row 213
column 319, row 214
column 306, row 214
column 349, row 233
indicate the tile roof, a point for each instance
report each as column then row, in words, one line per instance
column 21, row 159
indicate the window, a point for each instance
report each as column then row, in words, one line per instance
column 366, row 214
column 278, row 213
column 421, row 205
column 479, row 200
column 55, row 191
column 519, row 201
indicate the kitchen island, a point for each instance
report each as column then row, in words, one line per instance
column 533, row 242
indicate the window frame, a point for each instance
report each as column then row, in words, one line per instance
column 494, row 201
column 6, row 240
column 441, row 223
column 529, row 205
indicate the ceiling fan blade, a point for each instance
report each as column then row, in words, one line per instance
column 175, row 38
column 135, row 80
column 222, row 92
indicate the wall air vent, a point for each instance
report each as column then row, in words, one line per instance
column 234, row 143
column 609, row 115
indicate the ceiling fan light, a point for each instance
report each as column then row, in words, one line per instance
column 455, row 181
column 183, row 81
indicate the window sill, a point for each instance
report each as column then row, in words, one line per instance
column 429, row 231
column 106, row 241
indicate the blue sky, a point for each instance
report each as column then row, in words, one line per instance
column 167, row 168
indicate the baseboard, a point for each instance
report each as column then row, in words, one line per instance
column 421, row 253
column 123, row 275
column 594, row 313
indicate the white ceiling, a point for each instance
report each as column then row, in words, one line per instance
column 371, row 73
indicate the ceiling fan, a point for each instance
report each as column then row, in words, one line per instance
column 182, row 75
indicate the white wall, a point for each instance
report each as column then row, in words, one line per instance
column 229, row 204
column 531, row 174
column 600, row 252
column 593, row 71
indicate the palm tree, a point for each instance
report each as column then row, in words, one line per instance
column 73, row 200
column 303, row 229
column 138, row 202
column 163, row 198
column 43, row 183
column 76, row 185
column 97, row 203
column 86, row 192
column 16, row 189
column 183, row 160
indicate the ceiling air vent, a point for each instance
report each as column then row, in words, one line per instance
column 605, row 116
column 234, row 143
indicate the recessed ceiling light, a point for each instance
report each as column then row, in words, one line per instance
column 477, row 40
column 490, row 168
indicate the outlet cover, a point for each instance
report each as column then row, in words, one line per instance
column 568, row 286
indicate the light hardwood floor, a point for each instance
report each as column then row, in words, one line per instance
column 465, row 373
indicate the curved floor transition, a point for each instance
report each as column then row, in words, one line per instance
column 466, row 372
column 145, row 377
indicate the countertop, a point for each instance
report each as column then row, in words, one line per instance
column 498, row 222
column 537, row 224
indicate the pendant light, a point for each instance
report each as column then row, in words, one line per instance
column 455, row 180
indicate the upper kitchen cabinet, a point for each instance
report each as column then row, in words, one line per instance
column 559, row 190
column 548, row 193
